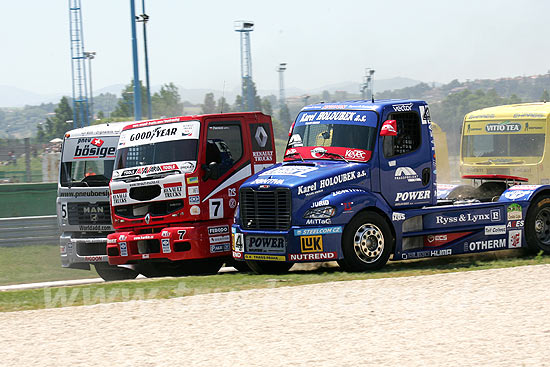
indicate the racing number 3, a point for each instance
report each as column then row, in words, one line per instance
column 216, row 208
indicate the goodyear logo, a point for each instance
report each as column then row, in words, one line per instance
column 311, row 243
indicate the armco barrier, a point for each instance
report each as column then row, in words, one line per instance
column 21, row 231
column 20, row 200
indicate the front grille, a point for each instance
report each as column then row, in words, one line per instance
column 145, row 193
column 269, row 210
column 158, row 208
column 89, row 249
column 88, row 213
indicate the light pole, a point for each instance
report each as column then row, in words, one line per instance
column 144, row 18
column 368, row 84
column 281, row 69
column 137, row 84
column 90, row 56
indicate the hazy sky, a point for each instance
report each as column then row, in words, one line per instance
column 193, row 44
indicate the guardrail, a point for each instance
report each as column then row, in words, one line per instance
column 21, row 231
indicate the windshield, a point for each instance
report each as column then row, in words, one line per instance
column 151, row 145
column 340, row 130
column 503, row 145
column 87, row 162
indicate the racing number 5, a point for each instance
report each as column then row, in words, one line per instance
column 64, row 211
column 216, row 208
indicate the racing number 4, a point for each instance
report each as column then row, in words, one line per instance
column 216, row 208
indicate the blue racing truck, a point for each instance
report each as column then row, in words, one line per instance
column 358, row 185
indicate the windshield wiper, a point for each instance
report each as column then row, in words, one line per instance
column 295, row 153
column 336, row 155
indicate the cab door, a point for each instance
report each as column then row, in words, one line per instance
column 224, row 166
column 406, row 173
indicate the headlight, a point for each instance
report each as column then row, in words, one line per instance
column 236, row 214
column 321, row 212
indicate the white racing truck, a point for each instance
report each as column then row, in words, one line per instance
column 83, row 210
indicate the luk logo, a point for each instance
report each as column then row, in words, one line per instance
column 97, row 142
column 261, row 136
column 311, row 243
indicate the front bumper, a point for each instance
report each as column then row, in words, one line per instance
column 79, row 253
column 301, row 244
column 197, row 241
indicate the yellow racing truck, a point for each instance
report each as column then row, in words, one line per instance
column 507, row 140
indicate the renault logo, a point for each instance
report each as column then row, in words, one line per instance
column 147, row 218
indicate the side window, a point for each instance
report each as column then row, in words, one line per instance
column 408, row 134
column 224, row 144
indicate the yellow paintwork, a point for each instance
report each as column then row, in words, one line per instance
column 441, row 154
column 520, row 119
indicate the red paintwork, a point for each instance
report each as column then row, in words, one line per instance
column 495, row 177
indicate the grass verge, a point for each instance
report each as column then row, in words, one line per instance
column 186, row 286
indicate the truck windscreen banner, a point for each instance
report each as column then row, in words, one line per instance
column 159, row 133
column 363, row 118
column 90, row 148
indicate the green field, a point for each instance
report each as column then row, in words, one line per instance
column 31, row 264
column 39, row 263
column 17, row 172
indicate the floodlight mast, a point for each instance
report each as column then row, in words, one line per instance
column 367, row 88
column 281, row 69
column 244, row 27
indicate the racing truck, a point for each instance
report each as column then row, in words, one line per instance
column 175, row 186
column 83, row 213
column 358, row 185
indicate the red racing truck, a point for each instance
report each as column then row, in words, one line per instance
column 175, row 188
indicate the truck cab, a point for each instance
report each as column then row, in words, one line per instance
column 175, row 188
column 83, row 212
column 358, row 185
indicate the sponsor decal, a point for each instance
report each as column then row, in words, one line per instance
column 297, row 171
column 311, row 243
column 320, row 203
column 313, row 231
column 503, row 127
column 168, row 167
column 232, row 203
column 95, row 227
column 514, row 238
column 218, row 239
column 93, row 259
column 192, row 190
column 85, row 148
column 195, row 210
column 525, row 187
column 261, row 136
column 356, row 155
column 222, row 247
column 347, row 206
column 406, row 173
column 232, row 191
column 111, row 240
column 238, row 242
column 194, row 200
column 346, row 191
column 77, row 194
column 187, row 166
column 516, row 194
column 515, row 224
column 122, row 237
column 263, row 156
column 192, row 180
column 467, row 218
column 485, row 245
column 318, row 221
column 265, row 244
column 97, row 142
column 312, row 257
column 144, row 237
column 123, row 248
column 268, row 181
column 165, row 245
column 145, row 256
column 237, row 255
column 165, row 234
column 426, row 253
column 405, row 107
column 409, row 196
column 172, row 190
column 396, row 217
column 155, row 133
column 495, row 215
column 318, row 152
column 514, row 212
column 435, row 240
column 331, row 181
column 495, row 230
column 264, row 257
column 218, row 230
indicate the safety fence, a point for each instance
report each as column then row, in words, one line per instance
column 36, row 230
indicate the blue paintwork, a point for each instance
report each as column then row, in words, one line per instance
column 420, row 226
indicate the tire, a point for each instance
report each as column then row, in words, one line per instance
column 110, row 272
column 367, row 243
column 268, row 267
column 537, row 225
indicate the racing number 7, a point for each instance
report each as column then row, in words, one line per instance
column 216, row 208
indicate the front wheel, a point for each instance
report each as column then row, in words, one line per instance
column 537, row 225
column 268, row 267
column 366, row 244
column 111, row 272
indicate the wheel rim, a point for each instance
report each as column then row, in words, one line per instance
column 368, row 243
column 542, row 226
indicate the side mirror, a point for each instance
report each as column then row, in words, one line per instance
column 389, row 128
column 212, row 170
